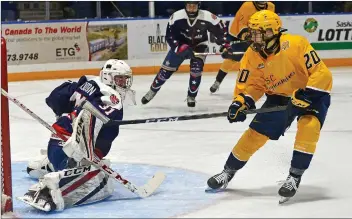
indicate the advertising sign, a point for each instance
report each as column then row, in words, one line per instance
column 35, row 43
column 108, row 41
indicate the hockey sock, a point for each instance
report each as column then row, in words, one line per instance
column 194, row 82
column 221, row 75
column 160, row 79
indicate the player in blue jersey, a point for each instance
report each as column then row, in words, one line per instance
column 187, row 34
column 66, row 179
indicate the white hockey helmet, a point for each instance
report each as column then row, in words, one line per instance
column 117, row 74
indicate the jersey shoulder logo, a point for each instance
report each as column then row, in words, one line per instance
column 261, row 66
column 285, row 45
column 114, row 99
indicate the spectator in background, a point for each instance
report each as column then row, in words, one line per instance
column 347, row 7
column 69, row 12
column 8, row 11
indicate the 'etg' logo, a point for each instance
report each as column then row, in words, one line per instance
column 64, row 52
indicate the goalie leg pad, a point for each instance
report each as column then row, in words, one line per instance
column 38, row 168
column 89, row 187
column 69, row 187
column 51, row 180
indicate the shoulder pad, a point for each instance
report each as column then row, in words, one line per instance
column 82, row 80
column 178, row 15
column 114, row 96
column 208, row 16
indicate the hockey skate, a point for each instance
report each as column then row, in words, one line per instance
column 215, row 87
column 148, row 97
column 289, row 188
column 191, row 101
column 220, row 181
column 39, row 199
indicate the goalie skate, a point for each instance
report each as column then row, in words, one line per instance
column 39, row 199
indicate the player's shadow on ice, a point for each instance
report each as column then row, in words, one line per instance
column 305, row 194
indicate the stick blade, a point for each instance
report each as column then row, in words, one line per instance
column 152, row 185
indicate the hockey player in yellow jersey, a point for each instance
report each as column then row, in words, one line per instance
column 288, row 70
column 238, row 30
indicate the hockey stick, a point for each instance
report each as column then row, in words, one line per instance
column 87, row 105
column 143, row 191
column 215, row 53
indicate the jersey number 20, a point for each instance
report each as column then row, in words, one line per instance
column 312, row 55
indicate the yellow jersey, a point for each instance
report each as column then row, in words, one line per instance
column 239, row 23
column 295, row 65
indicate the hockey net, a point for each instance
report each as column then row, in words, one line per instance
column 6, row 182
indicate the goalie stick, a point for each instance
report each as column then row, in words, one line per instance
column 88, row 106
column 143, row 191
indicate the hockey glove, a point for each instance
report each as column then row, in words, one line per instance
column 239, row 104
column 81, row 144
column 185, row 51
column 300, row 99
column 225, row 46
column 237, row 46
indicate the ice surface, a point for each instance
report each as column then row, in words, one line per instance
column 203, row 146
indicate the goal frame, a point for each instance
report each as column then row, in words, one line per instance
column 6, row 178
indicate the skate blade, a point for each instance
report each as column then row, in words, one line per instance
column 211, row 93
column 283, row 200
column 210, row 190
column 34, row 205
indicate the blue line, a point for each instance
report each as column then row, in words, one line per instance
column 138, row 19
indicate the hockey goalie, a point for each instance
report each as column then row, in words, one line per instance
column 66, row 176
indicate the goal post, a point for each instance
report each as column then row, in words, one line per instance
column 6, row 179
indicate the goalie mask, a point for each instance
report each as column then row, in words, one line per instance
column 118, row 75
